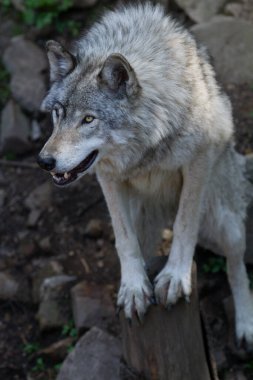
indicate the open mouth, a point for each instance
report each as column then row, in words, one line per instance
column 62, row 179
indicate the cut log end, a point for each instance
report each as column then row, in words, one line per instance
column 169, row 344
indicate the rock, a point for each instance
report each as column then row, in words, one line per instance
column 7, row 27
column 28, row 89
column 33, row 218
column 229, row 42
column 35, row 131
column 233, row 9
column 44, row 269
column 23, row 55
column 45, row 244
column 8, row 287
column 14, row 289
column 26, row 61
column 91, row 305
column 96, row 356
column 40, row 197
column 37, row 201
column 14, row 131
column 54, row 310
column 167, row 234
column 94, row 228
column 2, row 197
column 19, row 5
column 235, row 375
column 201, row 10
column 84, row 3
column 58, row 350
column 27, row 248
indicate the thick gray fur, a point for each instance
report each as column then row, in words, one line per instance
column 164, row 132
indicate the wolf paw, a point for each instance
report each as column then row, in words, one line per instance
column 171, row 284
column 244, row 332
column 135, row 297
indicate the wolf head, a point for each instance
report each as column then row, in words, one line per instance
column 91, row 108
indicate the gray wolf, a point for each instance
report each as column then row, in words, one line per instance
column 136, row 101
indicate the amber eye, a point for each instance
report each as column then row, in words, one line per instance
column 88, row 119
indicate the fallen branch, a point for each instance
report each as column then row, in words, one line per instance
column 18, row 164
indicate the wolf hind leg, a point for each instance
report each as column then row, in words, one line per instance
column 232, row 243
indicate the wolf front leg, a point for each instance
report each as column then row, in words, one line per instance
column 174, row 281
column 135, row 292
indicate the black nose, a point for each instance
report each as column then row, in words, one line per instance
column 46, row 163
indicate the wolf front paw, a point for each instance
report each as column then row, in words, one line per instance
column 244, row 332
column 171, row 284
column 135, row 297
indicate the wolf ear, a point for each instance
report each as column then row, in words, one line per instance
column 118, row 75
column 61, row 62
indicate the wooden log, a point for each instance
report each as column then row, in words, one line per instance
column 169, row 344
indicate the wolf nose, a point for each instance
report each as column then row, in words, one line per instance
column 46, row 163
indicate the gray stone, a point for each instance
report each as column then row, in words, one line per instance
column 19, row 5
column 33, row 217
column 91, row 305
column 28, row 88
column 8, row 286
column 35, row 131
column 94, row 228
column 7, row 28
column 96, row 356
column 233, row 9
column 14, row 131
column 54, row 310
column 201, row 10
column 40, row 197
column 229, row 42
column 23, row 55
column 14, row 288
column 43, row 269
column 235, row 375
column 45, row 244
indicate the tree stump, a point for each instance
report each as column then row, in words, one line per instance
column 169, row 344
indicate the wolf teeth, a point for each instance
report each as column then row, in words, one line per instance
column 66, row 175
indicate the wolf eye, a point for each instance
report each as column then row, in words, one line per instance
column 88, row 119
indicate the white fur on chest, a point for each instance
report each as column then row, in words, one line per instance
column 161, row 185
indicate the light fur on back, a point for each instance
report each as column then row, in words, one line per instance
column 163, row 130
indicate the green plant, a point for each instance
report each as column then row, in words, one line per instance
column 57, row 367
column 6, row 4
column 249, row 366
column 31, row 348
column 41, row 13
column 72, row 26
column 69, row 330
column 39, row 365
column 10, row 156
column 215, row 265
